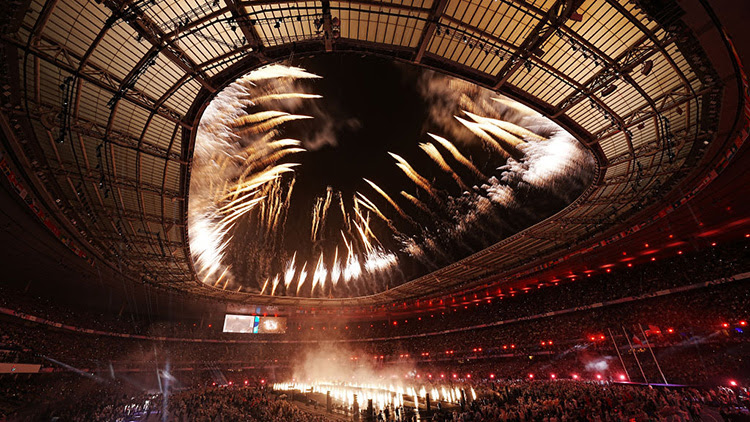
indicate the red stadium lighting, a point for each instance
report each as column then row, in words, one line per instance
column 713, row 243
column 725, row 325
column 679, row 252
column 593, row 338
column 601, row 337
column 512, row 346
column 455, row 376
column 743, row 323
column 575, row 377
column 468, row 375
column 609, row 270
column 262, row 381
column 598, row 376
column 630, row 264
column 246, row 382
column 442, row 375
column 213, row 384
column 531, row 376
column 230, row 382
column 670, row 330
column 622, row 377
column 552, row 376
column 492, row 376
column 733, row 383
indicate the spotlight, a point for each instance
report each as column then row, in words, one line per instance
column 608, row 90
column 647, row 66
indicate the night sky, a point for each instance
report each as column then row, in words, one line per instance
column 372, row 106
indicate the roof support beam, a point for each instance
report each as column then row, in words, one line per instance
column 154, row 35
column 437, row 10
column 555, row 16
column 96, row 76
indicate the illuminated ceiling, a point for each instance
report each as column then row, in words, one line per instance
column 105, row 132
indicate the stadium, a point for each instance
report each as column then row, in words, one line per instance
column 366, row 210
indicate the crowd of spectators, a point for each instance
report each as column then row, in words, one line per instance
column 212, row 404
column 473, row 309
column 563, row 401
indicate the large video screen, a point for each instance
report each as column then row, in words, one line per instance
column 254, row 324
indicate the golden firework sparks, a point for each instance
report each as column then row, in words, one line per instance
column 413, row 175
column 481, row 134
column 387, row 198
column 419, row 204
column 448, row 145
column 433, row 153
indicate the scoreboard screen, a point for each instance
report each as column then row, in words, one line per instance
column 253, row 324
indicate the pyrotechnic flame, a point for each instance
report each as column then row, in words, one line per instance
column 413, row 175
column 302, row 277
column 419, row 204
column 283, row 96
column 370, row 206
column 336, row 268
column 378, row 260
column 387, row 198
column 481, row 134
column 458, row 156
column 275, row 71
column 320, row 274
column 433, row 153
column 290, row 271
column 274, row 283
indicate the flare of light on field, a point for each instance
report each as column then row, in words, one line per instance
column 413, row 175
column 434, row 154
column 336, row 268
column 320, row 274
column 448, row 145
column 302, row 277
column 290, row 271
column 274, row 283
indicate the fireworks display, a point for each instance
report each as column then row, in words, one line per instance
column 483, row 167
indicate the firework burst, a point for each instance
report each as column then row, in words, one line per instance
column 244, row 173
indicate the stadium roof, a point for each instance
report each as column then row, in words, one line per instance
column 102, row 99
